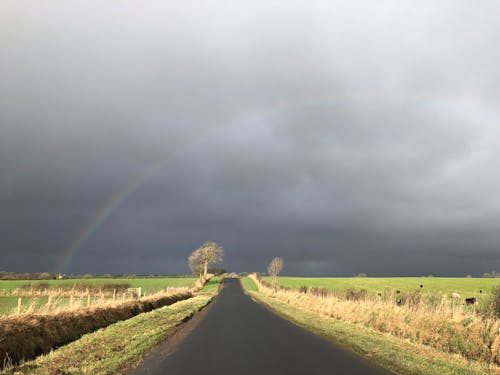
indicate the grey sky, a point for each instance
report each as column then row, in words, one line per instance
column 345, row 137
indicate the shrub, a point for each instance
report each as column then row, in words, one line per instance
column 36, row 287
column 355, row 295
column 47, row 276
column 217, row 271
column 319, row 292
column 434, row 300
column 410, row 299
column 493, row 305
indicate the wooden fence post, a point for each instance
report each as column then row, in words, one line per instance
column 88, row 300
column 49, row 303
column 114, row 295
column 19, row 303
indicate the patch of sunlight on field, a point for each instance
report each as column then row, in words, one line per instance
column 148, row 285
column 469, row 287
column 9, row 296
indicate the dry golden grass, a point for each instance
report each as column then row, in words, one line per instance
column 57, row 301
column 441, row 324
column 39, row 289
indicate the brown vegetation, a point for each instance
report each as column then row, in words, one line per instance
column 493, row 306
column 78, row 289
column 435, row 320
column 105, row 287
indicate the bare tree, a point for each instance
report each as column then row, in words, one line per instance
column 274, row 269
column 199, row 259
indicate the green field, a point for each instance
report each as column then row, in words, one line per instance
column 466, row 287
column 148, row 285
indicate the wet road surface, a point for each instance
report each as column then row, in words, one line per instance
column 239, row 336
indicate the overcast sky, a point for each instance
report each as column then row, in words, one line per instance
column 344, row 136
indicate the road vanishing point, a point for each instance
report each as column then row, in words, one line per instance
column 239, row 336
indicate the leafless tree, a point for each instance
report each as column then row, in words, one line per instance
column 199, row 259
column 274, row 269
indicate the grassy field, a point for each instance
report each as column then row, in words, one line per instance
column 9, row 303
column 397, row 355
column 109, row 350
column 148, row 285
column 467, row 287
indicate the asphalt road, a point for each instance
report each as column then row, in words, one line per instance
column 239, row 336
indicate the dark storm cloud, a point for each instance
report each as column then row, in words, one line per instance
column 346, row 138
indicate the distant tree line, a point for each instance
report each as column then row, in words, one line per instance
column 217, row 271
column 493, row 274
column 4, row 275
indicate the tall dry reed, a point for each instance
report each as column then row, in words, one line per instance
column 55, row 301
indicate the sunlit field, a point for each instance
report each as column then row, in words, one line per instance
column 147, row 284
column 467, row 287
column 35, row 294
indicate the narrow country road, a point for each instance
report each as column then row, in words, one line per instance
column 239, row 336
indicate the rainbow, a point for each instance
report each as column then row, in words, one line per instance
column 104, row 212
column 116, row 199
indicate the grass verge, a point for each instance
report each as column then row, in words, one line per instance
column 249, row 284
column 397, row 355
column 111, row 349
